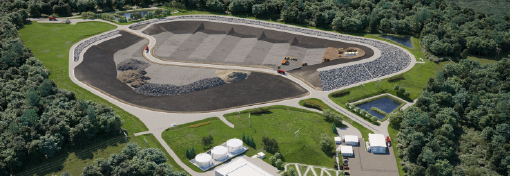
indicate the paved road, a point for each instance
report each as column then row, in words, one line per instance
column 157, row 122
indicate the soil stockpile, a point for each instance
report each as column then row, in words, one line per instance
column 133, row 76
column 99, row 70
column 132, row 64
column 232, row 75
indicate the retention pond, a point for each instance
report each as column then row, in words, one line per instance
column 386, row 104
column 406, row 41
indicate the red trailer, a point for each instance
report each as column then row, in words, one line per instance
column 53, row 19
column 281, row 71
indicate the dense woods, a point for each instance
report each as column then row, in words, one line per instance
column 132, row 161
column 37, row 119
column 460, row 124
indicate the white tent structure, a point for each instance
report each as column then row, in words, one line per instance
column 240, row 167
column 346, row 150
column 219, row 153
column 338, row 140
column 203, row 160
column 351, row 140
column 235, row 146
column 377, row 143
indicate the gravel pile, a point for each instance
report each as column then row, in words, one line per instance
column 84, row 44
column 137, row 78
column 132, row 64
column 231, row 75
column 152, row 89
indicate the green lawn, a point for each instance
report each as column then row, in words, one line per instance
column 279, row 124
column 51, row 43
column 393, row 136
column 364, row 131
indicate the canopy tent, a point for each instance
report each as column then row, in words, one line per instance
column 346, row 150
column 377, row 143
column 351, row 140
column 338, row 140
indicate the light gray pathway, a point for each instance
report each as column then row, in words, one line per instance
column 157, row 121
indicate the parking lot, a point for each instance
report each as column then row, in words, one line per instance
column 365, row 163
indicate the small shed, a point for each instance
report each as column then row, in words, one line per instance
column 351, row 140
column 235, row 146
column 219, row 153
column 346, row 150
column 203, row 160
column 377, row 143
column 338, row 140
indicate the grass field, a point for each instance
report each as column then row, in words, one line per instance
column 279, row 124
column 51, row 43
column 364, row 131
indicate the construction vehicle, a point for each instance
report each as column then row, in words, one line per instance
column 325, row 60
column 280, row 71
column 340, row 50
column 285, row 62
column 304, row 64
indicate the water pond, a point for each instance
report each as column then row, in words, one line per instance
column 406, row 41
column 386, row 104
column 127, row 15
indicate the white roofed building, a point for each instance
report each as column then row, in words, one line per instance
column 377, row 143
column 351, row 140
column 240, row 167
column 346, row 150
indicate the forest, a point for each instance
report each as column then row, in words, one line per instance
column 459, row 125
column 132, row 161
column 37, row 119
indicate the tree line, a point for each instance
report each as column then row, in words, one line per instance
column 37, row 119
column 460, row 124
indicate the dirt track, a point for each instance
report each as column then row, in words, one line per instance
column 98, row 69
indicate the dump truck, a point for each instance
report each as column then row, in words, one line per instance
column 326, row 60
column 285, row 61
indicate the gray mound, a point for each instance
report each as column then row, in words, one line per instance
column 132, row 64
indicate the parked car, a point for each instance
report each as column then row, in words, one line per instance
column 346, row 160
column 345, row 164
column 346, row 168
column 347, row 173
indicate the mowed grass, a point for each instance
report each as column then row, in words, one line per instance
column 363, row 130
column 51, row 43
column 279, row 124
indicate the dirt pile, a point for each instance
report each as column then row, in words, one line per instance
column 132, row 64
column 232, row 75
column 137, row 78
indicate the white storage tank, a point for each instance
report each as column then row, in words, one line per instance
column 234, row 146
column 203, row 160
column 219, row 153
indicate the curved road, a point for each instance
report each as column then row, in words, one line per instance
column 157, row 122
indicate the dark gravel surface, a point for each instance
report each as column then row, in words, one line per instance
column 98, row 69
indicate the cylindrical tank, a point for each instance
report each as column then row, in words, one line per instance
column 203, row 160
column 234, row 146
column 219, row 153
